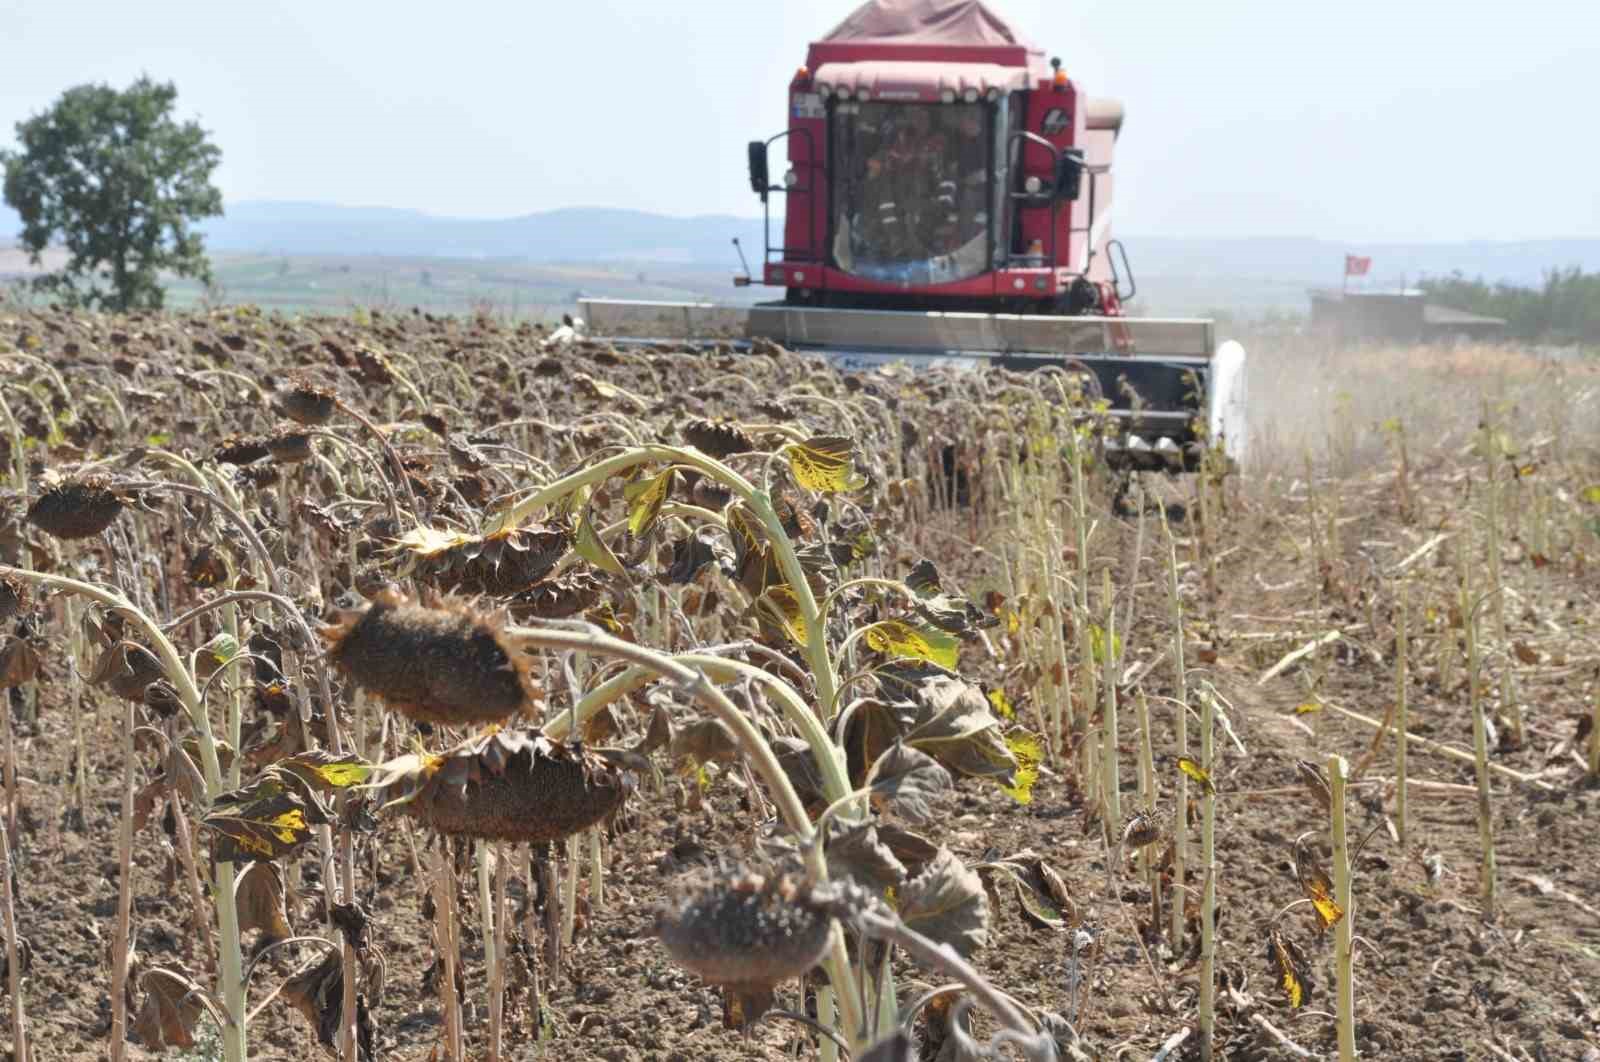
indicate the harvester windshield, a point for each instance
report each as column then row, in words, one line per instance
column 915, row 197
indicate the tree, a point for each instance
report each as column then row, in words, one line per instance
column 115, row 179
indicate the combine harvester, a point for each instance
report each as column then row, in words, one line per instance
column 948, row 201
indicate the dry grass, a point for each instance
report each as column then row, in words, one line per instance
column 1310, row 399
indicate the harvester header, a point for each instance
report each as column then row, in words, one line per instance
column 946, row 196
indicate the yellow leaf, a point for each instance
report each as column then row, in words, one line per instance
column 1193, row 769
column 1318, row 887
column 1328, row 910
column 781, row 604
column 289, row 825
column 592, row 548
column 1002, row 706
column 895, row 638
column 341, row 775
column 1025, row 748
column 429, row 541
column 1307, row 708
column 645, row 499
column 1288, row 976
column 824, row 464
column 1591, row 494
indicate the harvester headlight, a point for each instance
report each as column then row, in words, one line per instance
column 843, row 92
column 824, row 91
column 791, row 179
column 992, row 95
column 948, row 96
column 1032, row 185
column 970, row 95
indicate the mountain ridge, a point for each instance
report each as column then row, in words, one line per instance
column 615, row 234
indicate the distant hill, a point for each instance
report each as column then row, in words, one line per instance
column 581, row 234
column 1247, row 275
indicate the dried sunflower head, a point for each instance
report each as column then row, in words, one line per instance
column 508, row 785
column 13, row 598
column 562, row 597
column 506, row 562
column 448, row 663
column 241, row 450
column 308, row 403
column 717, row 439
column 75, row 507
column 288, row 446
column 745, row 930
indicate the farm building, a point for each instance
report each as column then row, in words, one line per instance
column 1403, row 316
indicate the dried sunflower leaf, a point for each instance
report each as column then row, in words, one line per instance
column 857, row 854
column 163, row 1020
column 259, row 895
column 906, row 781
column 947, row 904
column 326, row 772
column 1291, row 969
column 267, row 819
column 1036, row 906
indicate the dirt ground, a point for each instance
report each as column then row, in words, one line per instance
column 1435, row 979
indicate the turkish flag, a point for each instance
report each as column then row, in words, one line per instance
column 1356, row 266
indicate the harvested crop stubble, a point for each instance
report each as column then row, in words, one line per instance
column 447, row 663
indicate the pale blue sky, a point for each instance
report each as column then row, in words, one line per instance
column 1362, row 120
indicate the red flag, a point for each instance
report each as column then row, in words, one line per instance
column 1356, row 266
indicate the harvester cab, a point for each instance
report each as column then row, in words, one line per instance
column 946, row 198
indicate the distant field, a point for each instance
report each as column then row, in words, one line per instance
column 337, row 284
column 321, row 283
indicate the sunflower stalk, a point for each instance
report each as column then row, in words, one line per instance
column 1402, row 728
column 1208, row 896
column 172, row 665
column 1480, row 753
column 491, row 940
column 21, row 1047
column 818, row 659
column 1343, row 933
column 754, row 747
column 1111, row 776
column 1180, row 724
column 1594, row 734
column 444, row 921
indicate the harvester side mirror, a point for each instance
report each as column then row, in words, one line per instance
column 758, row 168
column 1069, row 174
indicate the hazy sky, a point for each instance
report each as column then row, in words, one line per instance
column 1360, row 120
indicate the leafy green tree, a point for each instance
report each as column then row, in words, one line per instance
column 114, row 178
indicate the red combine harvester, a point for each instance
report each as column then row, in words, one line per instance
column 947, row 200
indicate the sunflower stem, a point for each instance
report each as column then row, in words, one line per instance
column 1343, row 932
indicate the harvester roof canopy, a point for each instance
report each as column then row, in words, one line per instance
column 890, row 79
column 932, row 22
